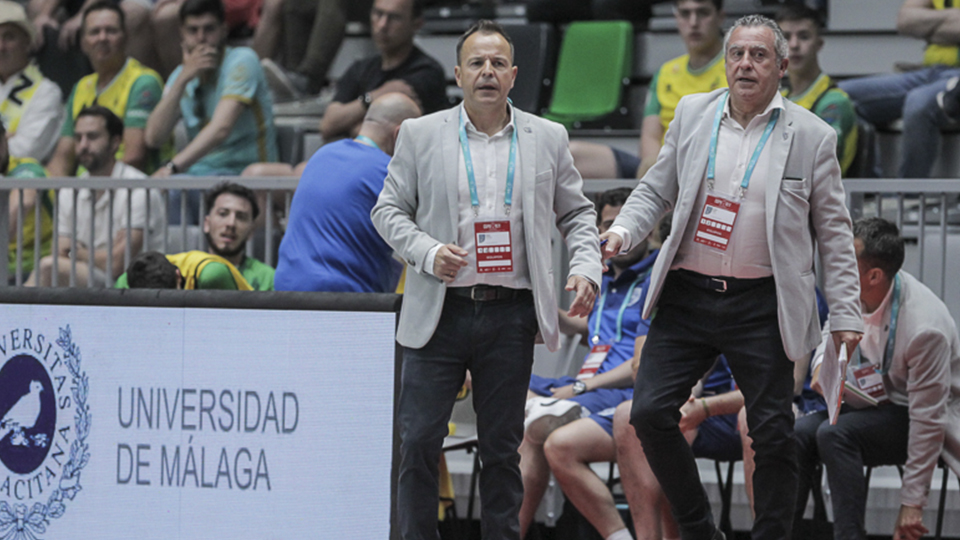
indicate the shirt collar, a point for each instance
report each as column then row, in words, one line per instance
column 471, row 129
column 876, row 317
column 775, row 103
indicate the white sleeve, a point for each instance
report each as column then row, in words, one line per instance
column 39, row 127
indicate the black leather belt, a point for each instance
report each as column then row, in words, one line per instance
column 487, row 293
column 721, row 284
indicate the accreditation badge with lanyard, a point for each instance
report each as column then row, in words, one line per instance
column 598, row 349
column 492, row 236
column 719, row 214
column 865, row 374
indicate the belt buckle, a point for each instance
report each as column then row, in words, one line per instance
column 478, row 294
column 719, row 285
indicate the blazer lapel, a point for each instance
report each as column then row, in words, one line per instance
column 450, row 142
column 525, row 176
column 780, row 141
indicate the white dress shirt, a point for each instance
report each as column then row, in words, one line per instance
column 98, row 214
column 490, row 155
column 747, row 254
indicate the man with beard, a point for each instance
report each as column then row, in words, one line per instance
column 98, row 134
column 227, row 227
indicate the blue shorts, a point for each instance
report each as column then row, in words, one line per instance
column 719, row 439
column 600, row 403
column 627, row 163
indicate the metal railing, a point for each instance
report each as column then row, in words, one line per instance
column 936, row 235
column 267, row 188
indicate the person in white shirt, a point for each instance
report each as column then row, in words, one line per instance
column 909, row 361
column 98, row 133
column 30, row 104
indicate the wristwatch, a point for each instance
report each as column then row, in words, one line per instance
column 579, row 387
column 172, row 166
column 366, row 99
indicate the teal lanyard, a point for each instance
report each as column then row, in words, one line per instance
column 892, row 333
column 368, row 141
column 623, row 308
column 471, row 178
column 714, row 135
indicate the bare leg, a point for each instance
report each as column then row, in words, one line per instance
column 266, row 37
column 748, row 464
column 569, row 451
column 140, row 42
column 536, row 473
column 593, row 160
column 649, row 508
column 43, row 276
column 166, row 23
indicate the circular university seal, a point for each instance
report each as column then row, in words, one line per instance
column 44, row 424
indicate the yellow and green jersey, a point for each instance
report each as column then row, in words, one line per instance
column 30, row 168
column 132, row 95
column 945, row 55
column 834, row 107
column 676, row 79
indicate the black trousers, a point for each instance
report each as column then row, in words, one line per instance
column 494, row 340
column 873, row 436
column 691, row 327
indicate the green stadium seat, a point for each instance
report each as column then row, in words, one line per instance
column 592, row 70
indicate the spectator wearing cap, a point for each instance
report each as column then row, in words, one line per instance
column 30, row 104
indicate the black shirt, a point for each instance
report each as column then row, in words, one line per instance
column 420, row 71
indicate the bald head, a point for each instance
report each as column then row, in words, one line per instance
column 383, row 118
column 392, row 109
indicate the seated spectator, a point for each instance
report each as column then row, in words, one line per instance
column 119, row 83
column 399, row 66
column 307, row 61
column 910, row 356
column 66, row 19
column 232, row 210
column 810, row 87
column 98, row 133
column 30, row 104
column 223, row 99
column 262, row 18
column 569, row 421
column 700, row 70
column 12, row 167
column 188, row 270
column 912, row 95
column 708, row 420
column 330, row 243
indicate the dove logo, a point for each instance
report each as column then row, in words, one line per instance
column 28, row 414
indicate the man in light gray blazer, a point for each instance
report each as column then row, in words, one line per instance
column 755, row 186
column 911, row 349
column 470, row 201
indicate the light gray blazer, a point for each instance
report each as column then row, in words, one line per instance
column 924, row 376
column 419, row 208
column 805, row 211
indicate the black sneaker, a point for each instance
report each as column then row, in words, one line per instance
column 949, row 100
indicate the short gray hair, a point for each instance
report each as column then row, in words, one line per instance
column 749, row 21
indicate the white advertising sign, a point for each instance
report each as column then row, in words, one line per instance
column 168, row 423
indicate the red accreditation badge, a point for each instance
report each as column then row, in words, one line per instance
column 598, row 353
column 716, row 222
column 870, row 382
column 494, row 247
